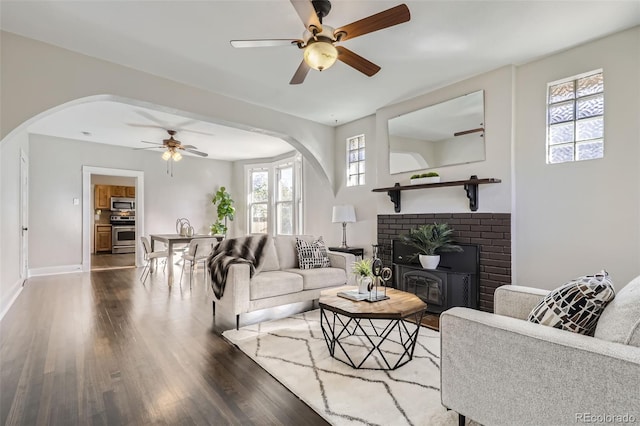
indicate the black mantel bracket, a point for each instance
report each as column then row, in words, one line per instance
column 470, row 187
column 394, row 195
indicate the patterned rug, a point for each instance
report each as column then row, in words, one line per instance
column 293, row 350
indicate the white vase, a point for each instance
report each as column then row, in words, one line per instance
column 429, row 262
column 363, row 284
column 419, row 181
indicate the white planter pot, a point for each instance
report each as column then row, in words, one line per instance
column 429, row 262
column 363, row 284
column 419, row 181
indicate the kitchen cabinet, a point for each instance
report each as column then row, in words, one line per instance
column 103, row 238
column 102, row 197
column 130, row 191
column 118, row 191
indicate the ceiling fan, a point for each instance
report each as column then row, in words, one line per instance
column 172, row 149
column 319, row 41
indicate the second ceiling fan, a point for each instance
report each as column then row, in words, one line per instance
column 319, row 41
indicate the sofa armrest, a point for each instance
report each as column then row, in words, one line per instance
column 344, row 261
column 517, row 301
column 500, row 371
column 236, row 296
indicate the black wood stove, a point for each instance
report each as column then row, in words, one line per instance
column 454, row 283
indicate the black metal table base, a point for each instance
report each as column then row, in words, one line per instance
column 345, row 335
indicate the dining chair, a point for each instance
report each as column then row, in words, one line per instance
column 198, row 250
column 151, row 256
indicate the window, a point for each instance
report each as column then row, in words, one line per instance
column 258, row 200
column 355, row 161
column 575, row 118
column 274, row 197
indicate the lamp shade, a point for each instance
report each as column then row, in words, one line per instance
column 344, row 213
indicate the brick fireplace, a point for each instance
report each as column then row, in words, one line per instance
column 490, row 231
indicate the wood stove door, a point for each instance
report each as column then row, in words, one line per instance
column 428, row 286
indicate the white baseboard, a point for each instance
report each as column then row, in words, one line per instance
column 54, row 270
column 12, row 295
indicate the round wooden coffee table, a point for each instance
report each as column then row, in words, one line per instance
column 371, row 335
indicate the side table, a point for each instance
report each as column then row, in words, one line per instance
column 356, row 251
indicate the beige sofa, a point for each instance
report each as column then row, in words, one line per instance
column 279, row 282
column 499, row 369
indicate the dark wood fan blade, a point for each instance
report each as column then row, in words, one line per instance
column 301, row 73
column 385, row 19
column 356, row 61
column 265, row 42
column 193, row 151
column 307, row 14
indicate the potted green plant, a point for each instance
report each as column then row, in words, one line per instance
column 224, row 209
column 429, row 240
column 362, row 269
column 431, row 177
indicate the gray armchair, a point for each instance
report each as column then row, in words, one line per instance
column 499, row 369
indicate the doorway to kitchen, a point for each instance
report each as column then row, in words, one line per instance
column 113, row 206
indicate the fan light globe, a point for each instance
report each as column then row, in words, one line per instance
column 320, row 55
column 166, row 155
column 177, row 156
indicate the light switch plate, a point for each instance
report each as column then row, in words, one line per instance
column 76, row 201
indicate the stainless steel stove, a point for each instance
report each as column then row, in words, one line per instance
column 123, row 228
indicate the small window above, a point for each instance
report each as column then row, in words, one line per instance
column 355, row 160
column 575, row 118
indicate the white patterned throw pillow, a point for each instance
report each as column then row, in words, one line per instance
column 576, row 305
column 312, row 254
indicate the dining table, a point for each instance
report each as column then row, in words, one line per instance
column 170, row 240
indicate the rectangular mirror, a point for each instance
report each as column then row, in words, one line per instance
column 451, row 132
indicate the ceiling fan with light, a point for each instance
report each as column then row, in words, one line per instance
column 319, row 41
column 172, row 149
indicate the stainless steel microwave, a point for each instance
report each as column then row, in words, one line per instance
column 123, row 204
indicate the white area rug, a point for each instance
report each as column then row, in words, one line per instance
column 293, row 350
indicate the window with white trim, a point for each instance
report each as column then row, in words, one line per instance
column 274, row 197
column 575, row 118
column 355, row 160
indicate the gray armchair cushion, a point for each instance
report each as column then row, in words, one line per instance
column 620, row 321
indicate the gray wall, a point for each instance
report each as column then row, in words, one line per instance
column 56, row 178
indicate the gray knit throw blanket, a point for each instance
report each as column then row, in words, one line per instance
column 248, row 250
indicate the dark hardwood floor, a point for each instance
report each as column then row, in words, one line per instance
column 101, row 348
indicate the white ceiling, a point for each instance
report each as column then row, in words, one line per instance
column 188, row 41
column 126, row 125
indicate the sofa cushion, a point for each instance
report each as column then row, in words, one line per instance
column 620, row 321
column 312, row 254
column 270, row 262
column 576, row 305
column 321, row 277
column 274, row 283
column 286, row 250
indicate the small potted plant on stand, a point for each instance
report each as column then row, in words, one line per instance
column 431, row 177
column 362, row 269
column 431, row 239
column 225, row 210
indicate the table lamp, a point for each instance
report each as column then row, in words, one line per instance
column 345, row 213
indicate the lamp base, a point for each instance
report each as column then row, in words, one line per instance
column 344, row 235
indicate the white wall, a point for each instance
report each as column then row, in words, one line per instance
column 55, row 237
column 573, row 219
column 363, row 232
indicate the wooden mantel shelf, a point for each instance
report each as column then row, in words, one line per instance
column 470, row 186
